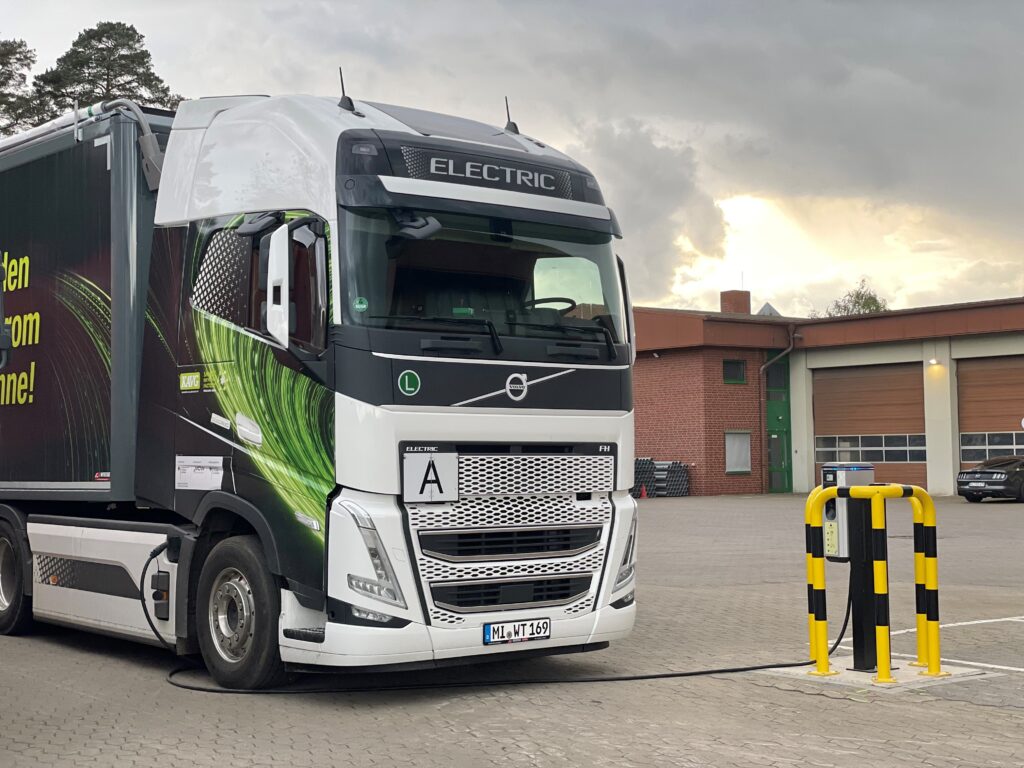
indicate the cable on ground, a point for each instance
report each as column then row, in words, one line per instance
column 173, row 674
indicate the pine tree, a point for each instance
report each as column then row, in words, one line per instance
column 108, row 61
column 16, row 59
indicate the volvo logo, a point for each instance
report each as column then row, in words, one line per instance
column 516, row 386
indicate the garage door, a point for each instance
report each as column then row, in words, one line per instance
column 991, row 396
column 872, row 413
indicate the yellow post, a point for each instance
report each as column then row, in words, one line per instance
column 931, row 584
column 809, row 547
column 920, row 597
column 820, row 641
column 881, row 568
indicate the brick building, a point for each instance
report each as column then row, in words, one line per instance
column 755, row 403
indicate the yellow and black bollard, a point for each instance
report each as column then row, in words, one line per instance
column 931, row 584
column 817, row 613
column 809, row 548
column 926, row 576
column 879, row 552
column 920, row 596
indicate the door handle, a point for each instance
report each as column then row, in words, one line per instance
column 248, row 430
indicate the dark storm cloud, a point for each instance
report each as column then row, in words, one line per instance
column 673, row 102
column 657, row 194
column 915, row 103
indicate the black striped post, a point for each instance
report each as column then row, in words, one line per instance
column 920, row 596
column 809, row 549
column 816, row 592
column 931, row 584
column 879, row 553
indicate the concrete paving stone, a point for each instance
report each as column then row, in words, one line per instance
column 722, row 584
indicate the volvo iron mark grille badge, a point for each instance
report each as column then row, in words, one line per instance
column 516, row 386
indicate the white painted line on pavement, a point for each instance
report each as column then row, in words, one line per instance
column 962, row 624
column 1000, row 667
column 968, row 663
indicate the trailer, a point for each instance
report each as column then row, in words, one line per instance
column 296, row 384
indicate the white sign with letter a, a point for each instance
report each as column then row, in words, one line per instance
column 430, row 477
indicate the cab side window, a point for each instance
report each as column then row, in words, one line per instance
column 307, row 294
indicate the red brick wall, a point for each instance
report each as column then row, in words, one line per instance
column 683, row 409
column 668, row 397
column 731, row 407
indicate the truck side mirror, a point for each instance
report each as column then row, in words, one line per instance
column 278, row 288
column 5, row 331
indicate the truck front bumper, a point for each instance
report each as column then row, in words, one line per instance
column 347, row 645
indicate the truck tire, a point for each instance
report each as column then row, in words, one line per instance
column 15, row 605
column 238, row 606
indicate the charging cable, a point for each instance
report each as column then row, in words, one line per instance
column 173, row 674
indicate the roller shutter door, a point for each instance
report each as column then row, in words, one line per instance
column 991, row 405
column 872, row 413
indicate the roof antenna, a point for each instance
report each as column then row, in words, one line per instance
column 510, row 126
column 344, row 102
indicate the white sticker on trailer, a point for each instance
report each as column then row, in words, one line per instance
column 198, row 473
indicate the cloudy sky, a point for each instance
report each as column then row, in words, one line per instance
column 790, row 148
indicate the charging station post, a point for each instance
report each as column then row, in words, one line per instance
column 926, row 555
column 848, row 539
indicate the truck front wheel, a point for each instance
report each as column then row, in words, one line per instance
column 15, row 605
column 237, row 609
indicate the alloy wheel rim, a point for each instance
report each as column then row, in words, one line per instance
column 232, row 615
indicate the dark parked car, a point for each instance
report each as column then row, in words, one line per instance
column 1001, row 478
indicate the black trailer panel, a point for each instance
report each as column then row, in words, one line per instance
column 75, row 227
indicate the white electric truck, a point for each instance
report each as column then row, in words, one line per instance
column 300, row 383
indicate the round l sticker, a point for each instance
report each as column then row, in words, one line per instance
column 408, row 383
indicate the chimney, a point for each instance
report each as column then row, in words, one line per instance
column 737, row 302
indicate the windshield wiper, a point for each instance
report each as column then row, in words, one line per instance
column 483, row 322
column 609, row 341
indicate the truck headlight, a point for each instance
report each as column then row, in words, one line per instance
column 627, row 569
column 385, row 587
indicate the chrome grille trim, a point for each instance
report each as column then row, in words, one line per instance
column 425, row 537
column 512, row 606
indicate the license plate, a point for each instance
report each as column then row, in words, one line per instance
column 976, row 485
column 517, row 631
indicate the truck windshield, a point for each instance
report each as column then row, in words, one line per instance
column 499, row 276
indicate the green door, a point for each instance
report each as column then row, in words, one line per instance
column 777, row 428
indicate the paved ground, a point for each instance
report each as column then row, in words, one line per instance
column 722, row 584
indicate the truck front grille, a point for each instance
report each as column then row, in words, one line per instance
column 529, row 531
column 509, row 594
column 509, row 543
column 533, row 474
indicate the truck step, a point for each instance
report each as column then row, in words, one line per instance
column 309, row 635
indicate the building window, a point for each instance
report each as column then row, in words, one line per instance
column 979, row 446
column 888, row 449
column 734, row 371
column 737, row 453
